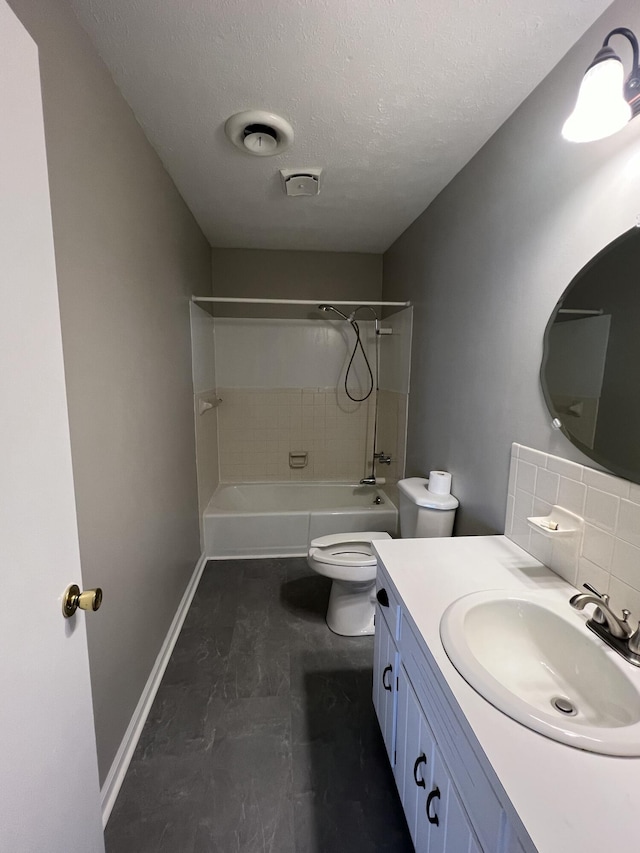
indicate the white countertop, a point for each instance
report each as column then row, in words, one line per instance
column 567, row 799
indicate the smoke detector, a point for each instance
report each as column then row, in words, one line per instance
column 259, row 132
column 297, row 182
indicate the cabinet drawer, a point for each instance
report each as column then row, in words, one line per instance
column 388, row 604
column 480, row 801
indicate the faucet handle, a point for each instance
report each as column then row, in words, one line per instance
column 634, row 640
column 593, row 590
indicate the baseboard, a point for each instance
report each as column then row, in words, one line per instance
column 121, row 762
column 249, row 556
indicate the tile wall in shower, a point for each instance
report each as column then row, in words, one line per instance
column 259, row 427
column 392, row 430
column 282, row 387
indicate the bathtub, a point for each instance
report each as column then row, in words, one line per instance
column 280, row 519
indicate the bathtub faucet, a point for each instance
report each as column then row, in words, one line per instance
column 368, row 481
column 382, row 458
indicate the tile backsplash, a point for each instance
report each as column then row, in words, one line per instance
column 608, row 553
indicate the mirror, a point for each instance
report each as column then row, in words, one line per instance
column 590, row 370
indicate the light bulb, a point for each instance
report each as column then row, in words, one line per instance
column 601, row 108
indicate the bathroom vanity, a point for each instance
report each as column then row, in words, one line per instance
column 470, row 778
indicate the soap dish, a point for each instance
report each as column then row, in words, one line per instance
column 567, row 523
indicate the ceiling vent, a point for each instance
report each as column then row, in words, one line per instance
column 258, row 132
column 297, row 182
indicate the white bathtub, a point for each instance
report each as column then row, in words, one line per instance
column 280, row 519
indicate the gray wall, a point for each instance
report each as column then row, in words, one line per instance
column 128, row 254
column 485, row 265
column 293, row 275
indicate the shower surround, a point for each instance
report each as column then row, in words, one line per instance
column 282, row 386
column 281, row 383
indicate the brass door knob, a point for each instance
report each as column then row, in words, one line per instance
column 90, row 599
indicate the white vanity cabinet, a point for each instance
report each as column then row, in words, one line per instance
column 449, row 803
column 503, row 787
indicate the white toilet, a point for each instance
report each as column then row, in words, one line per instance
column 348, row 558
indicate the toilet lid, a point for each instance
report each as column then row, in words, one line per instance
column 345, row 554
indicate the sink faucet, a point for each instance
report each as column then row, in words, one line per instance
column 612, row 630
column 603, row 616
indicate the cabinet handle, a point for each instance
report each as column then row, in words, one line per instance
column 421, row 759
column 384, row 672
column 382, row 597
column 434, row 795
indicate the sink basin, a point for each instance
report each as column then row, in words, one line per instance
column 533, row 659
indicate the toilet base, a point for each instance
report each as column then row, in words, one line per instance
column 351, row 608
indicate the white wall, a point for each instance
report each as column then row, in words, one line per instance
column 484, row 266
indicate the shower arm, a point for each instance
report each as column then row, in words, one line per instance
column 368, row 308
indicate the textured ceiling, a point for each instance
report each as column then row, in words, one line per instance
column 390, row 97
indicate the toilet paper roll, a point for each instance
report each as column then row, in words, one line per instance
column 440, row 482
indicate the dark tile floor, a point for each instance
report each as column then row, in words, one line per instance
column 262, row 736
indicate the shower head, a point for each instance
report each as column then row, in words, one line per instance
column 335, row 310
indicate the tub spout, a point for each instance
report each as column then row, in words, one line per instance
column 368, row 481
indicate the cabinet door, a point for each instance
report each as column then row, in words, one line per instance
column 385, row 666
column 414, row 761
column 449, row 828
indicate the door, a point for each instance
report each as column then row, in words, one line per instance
column 49, row 799
column 414, row 762
column 385, row 657
column 449, row 827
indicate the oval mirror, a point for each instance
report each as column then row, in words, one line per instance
column 590, row 370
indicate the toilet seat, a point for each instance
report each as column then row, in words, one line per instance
column 345, row 556
column 349, row 554
column 346, row 549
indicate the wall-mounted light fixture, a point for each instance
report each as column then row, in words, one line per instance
column 606, row 101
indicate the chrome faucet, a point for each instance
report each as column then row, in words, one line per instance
column 603, row 615
column 382, row 458
column 613, row 630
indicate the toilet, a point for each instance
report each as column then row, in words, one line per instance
column 348, row 558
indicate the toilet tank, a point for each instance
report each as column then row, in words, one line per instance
column 423, row 514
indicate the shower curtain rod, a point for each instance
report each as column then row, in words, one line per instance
column 597, row 312
column 316, row 302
